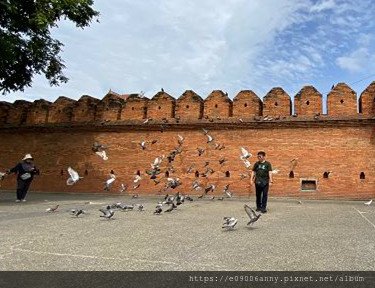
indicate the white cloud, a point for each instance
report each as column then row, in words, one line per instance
column 323, row 5
column 206, row 45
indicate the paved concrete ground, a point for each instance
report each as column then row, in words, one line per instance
column 314, row 235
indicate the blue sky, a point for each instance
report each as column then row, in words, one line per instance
column 206, row 45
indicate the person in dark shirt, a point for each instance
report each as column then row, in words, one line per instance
column 25, row 171
column 261, row 175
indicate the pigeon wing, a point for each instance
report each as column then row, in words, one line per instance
column 250, row 212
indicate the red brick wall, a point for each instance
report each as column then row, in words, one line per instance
column 18, row 112
column 247, row 104
column 308, row 102
column 367, row 101
column 346, row 151
column 38, row 112
column 109, row 108
column 84, row 109
column 342, row 101
column 218, row 104
column 4, row 111
column 162, row 105
column 189, row 106
column 134, row 109
column 61, row 110
column 277, row 103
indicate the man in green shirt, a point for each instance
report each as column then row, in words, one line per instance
column 261, row 175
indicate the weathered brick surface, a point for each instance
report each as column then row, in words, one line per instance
column 189, row 106
column 367, row 101
column 18, row 112
column 218, row 104
column 342, row 101
column 277, row 103
column 4, row 111
column 162, row 105
column 135, row 108
column 247, row 104
column 84, row 109
column 61, row 110
column 38, row 112
column 109, row 108
column 308, row 102
column 343, row 151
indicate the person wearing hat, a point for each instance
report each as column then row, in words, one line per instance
column 25, row 174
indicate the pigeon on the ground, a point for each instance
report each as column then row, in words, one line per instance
column 229, row 222
column 368, row 203
column 53, row 209
column 74, row 177
column 107, row 213
column 140, row 207
column 77, row 212
column 251, row 213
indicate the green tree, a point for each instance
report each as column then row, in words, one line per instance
column 26, row 45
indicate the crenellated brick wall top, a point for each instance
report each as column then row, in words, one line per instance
column 191, row 108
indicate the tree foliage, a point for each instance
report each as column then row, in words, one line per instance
column 26, row 45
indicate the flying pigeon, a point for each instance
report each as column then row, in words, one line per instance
column 2, row 175
column 74, row 177
column 180, row 140
column 368, row 203
column 200, row 151
column 173, row 183
column 275, row 171
column 52, row 209
column 209, row 138
column 251, row 213
column 137, row 178
column 107, row 213
column 143, row 145
column 247, row 163
column 229, row 222
column 146, row 121
column 196, row 185
column 245, row 154
column 222, row 161
column 205, row 131
column 227, row 192
column 136, row 186
column 157, row 162
column 240, row 120
column 98, row 147
column 110, row 181
column 102, row 154
column 209, row 188
column 123, row 188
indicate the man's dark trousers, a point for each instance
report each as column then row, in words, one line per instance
column 261, row 196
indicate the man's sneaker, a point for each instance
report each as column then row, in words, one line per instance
column 18, row 200
column 23, row 200
column 258, row 209
column 263, row 210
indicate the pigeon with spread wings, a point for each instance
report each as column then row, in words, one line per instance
column 74, row 176
column 251, row 213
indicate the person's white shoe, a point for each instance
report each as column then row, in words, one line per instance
column 18, row 200
column 23, row 200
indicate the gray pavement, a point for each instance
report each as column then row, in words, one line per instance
column 314, row 235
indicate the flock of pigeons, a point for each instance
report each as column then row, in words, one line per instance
column 170, row 202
